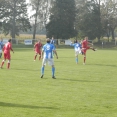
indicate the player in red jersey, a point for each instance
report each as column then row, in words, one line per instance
column 85, row 47
column 6, row 49
column 37, row 49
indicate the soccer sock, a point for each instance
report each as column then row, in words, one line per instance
column 53, row 71
column 39, row 57
column 93, row 49
column 2, row 63
column 84, row 59
column 76, row 60
column 42, row 70
column 35, row 57
column 8, row 65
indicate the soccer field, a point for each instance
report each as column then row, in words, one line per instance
column 78, row 91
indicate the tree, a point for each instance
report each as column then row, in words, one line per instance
column 88, row 19
column 13, row 14
column 62, row 19
column 41, row 15
column 109, row 17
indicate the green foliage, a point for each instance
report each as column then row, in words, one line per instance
column 13, row 14
column 62, row 20
column 79, row 90
column 88, row 20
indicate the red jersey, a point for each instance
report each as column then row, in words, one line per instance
column 7, row 47
column 85, row 44
column 37, row 46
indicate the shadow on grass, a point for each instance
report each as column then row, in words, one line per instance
column 4, row 104
column 103, row 65
column 24, row 69
column 77, row 80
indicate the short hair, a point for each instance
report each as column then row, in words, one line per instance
column 48, row 40
column 9, row 40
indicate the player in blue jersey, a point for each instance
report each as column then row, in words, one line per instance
column 52, row 41
column 77, row 48
column 47, row 56
column 1, row 46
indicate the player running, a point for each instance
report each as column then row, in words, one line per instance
column 77, row 48
column 37, row 49
column 85, row 47
column 6, row 49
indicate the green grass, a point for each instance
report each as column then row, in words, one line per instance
column 79, row 91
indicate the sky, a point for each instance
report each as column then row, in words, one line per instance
column 29, row 9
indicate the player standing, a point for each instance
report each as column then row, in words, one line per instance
column 6, row 49
column 37, row 49
column 77, row 48
column 47, row 56
column 85, row 47
column 52, row 41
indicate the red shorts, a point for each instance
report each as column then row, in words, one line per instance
column 84, row 49
column 7, row 56
column 38, row 52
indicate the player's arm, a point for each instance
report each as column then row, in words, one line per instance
column 71, row 44
column 34, row 47
column 90, row 43
column 56, row 53
column 12, row 49
column 42, row 52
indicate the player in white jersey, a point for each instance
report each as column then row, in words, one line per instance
column 77, row 48
column 47, row 56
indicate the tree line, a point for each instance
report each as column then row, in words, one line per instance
column 62, row 19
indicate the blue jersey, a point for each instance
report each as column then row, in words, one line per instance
column 52, row 41
column 1, row 45
column 48, row 50
column 76, row 46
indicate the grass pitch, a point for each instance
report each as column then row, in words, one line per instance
column 79, row 91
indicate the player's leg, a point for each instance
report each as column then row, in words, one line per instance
column 51, row 62
column 9, row 58
column 76, row 57
column 0, row 54
column 35, row 56
column 8, row 64
column 39, row 55
column 43, row 67
column 3, row 61
column 53, row 72
column 84, row 56
column 91, row 48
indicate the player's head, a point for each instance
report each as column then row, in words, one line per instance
column 9, row 40
column 39, row 41
column 75, row 41
column 48, row 40
column 86, row 38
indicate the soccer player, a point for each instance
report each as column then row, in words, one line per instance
column 85, row 47
column 77, row 48
column 46, row 54
column 37, row 49
column 52, row 41
column 1, row 46
column 6, row 49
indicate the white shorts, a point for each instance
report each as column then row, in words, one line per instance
column 50, row 61
column 78, row 52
